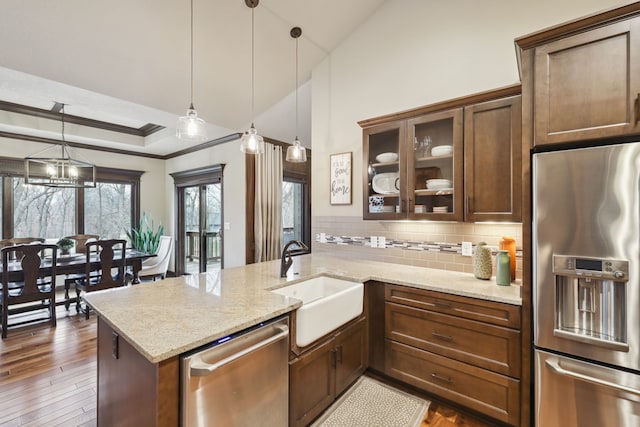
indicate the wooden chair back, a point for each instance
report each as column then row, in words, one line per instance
column 20, row 241
column 81, row 241
column 110, row 272
column 36, row 281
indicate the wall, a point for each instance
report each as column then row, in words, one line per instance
column 412, row 53
column 233, row 194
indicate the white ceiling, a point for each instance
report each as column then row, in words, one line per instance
column 128, row 62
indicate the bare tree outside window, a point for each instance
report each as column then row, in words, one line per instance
column 292, row 210
column 42, row 211
column 107, row 210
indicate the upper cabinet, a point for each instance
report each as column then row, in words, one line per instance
column 584, row 78
column 384, row 153
column 492, row 160
column 454, row 161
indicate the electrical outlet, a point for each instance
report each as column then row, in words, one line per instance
column 467, row 249
column 374, row 241
column 382, row 242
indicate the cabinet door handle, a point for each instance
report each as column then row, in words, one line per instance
column 339, row 354
column 333, row 357
column 637, row 108
column 442, row 337
column 442, row 305
column 441, row 378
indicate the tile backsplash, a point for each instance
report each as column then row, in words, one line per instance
column 428, row 244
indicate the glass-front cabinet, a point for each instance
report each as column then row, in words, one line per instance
column 384, row 174
column 435, row 161
column 414, row 168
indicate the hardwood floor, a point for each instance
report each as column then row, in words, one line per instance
column 48, row 377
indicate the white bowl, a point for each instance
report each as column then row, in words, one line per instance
column 387, row 157
column 439, row 184
column 441, row 150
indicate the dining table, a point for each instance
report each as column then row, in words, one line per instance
column 74, row 263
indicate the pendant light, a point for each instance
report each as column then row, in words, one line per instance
column 251, row 142
column 296, row 153
column 191, row 127
column 60, row 172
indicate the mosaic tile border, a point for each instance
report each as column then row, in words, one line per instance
column 410, row 245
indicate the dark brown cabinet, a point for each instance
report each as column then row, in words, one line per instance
column 492, row 160
column 131, row 390
column 461, row 349
column 586, row 77
column 472, row 150
column 323, row 372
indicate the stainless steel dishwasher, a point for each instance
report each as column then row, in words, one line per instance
column 239, row 380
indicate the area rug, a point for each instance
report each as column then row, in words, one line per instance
column 370, row 403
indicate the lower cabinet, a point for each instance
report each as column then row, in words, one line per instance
column 131, row 390
column 461, row 349
column 323, row 372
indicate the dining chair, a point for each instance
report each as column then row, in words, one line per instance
column 104, row 268
column 20, row 241
column 157, row 266
column 80, row 241
column 35, row 282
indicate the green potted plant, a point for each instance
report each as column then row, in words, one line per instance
column 145, row 237
column 65, row 244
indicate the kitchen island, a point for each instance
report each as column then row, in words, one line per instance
column 152, row 324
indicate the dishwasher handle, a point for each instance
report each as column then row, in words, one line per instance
column 555, row 367
column 202, row 369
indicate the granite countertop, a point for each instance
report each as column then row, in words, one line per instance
column 166, row 318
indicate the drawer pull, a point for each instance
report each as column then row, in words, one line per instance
column 443, row 305
column 441, row 378
column 442, row 337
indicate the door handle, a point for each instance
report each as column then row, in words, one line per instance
column 637, row 105
column 555, row 367
column 201, row 369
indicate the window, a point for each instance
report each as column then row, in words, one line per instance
column 42, row 211
column 292, row 211
column 107, row 210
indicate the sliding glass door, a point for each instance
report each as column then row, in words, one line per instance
column 199, row 220
column 203, row 228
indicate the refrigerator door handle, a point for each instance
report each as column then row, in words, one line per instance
column 555, row 367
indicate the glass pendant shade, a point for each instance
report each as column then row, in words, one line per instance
column 296, row 153
column 251, row 142
column 191, row 127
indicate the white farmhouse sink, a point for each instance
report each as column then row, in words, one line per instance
column 327, row 303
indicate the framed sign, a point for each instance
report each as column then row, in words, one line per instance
column 340, row 178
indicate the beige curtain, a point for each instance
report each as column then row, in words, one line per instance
column 268, row 203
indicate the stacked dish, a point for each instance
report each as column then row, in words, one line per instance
column 388, row 208
column 441, row 150
column 387, row 157
column 420, row 209
column 439, row 184
column 440, row 209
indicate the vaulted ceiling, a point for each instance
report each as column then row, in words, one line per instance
column 128, row 62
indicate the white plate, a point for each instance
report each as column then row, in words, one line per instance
column 439, row 184
column 386, row 183
column 387, row 157
column 441, row 150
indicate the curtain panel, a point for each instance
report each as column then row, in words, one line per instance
column 268, row 204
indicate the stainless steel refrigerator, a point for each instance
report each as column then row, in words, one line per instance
column 586, row 286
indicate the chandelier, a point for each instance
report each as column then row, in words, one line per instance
column 50, row 170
